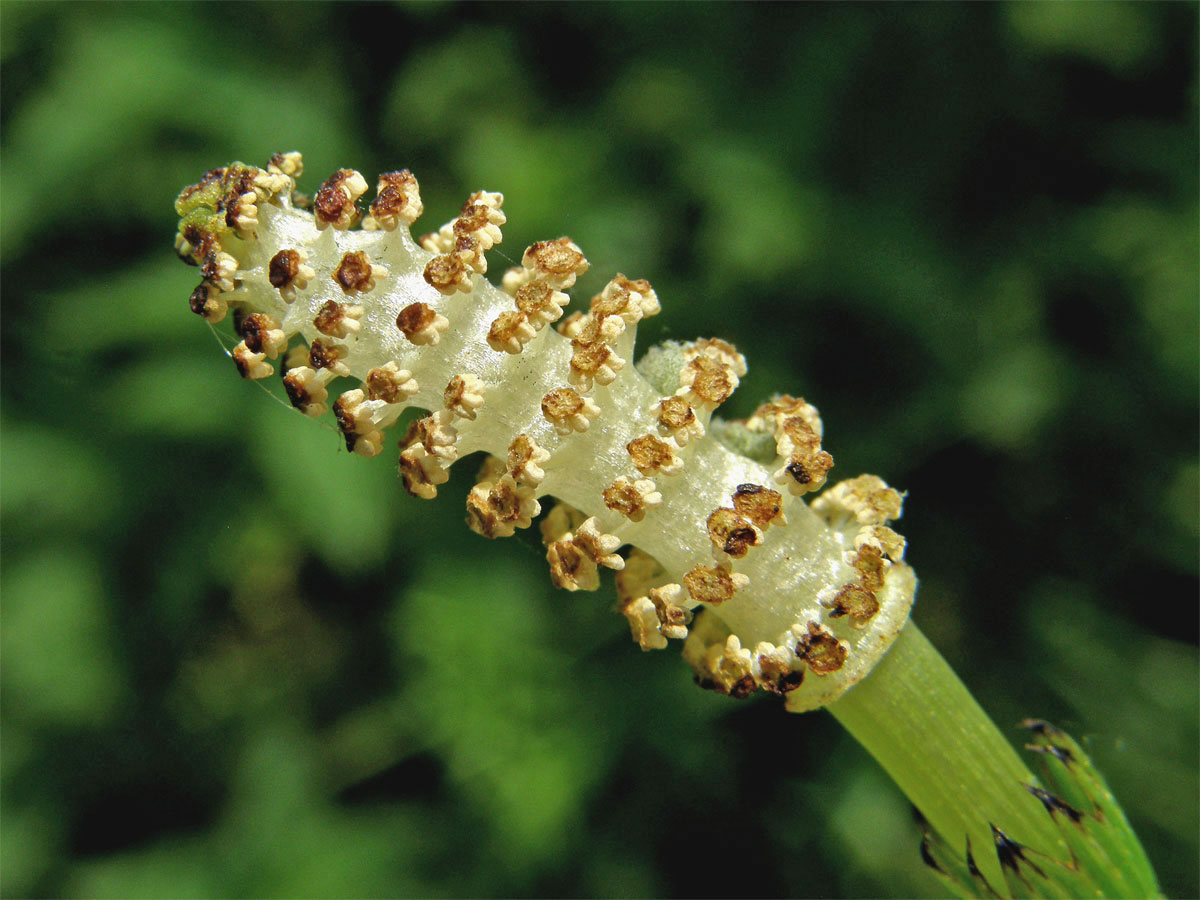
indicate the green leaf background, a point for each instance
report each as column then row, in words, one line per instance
column 238, row 662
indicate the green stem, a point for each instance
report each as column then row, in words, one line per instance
column 918, row 720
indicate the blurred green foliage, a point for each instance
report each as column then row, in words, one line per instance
column 238, row 662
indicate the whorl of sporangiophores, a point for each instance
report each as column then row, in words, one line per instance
column 767, row 591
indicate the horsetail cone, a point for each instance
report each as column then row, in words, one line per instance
column 736, row 546
column 723, row 535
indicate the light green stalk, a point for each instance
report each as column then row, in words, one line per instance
column 916, row 718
